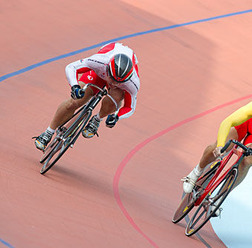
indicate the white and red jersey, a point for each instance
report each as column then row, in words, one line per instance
column 98, row 63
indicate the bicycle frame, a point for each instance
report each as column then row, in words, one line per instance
column 87, row 109
column 77, row 123
column 212, row 188
column 213, row 183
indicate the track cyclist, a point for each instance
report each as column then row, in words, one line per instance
column 114, row 66
column 236, row 126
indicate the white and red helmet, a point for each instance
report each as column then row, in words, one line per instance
column 120, row 68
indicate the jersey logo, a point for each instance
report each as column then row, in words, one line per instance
column 90, row 77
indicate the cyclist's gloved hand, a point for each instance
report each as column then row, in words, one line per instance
column 111, row 120
column 76, row 92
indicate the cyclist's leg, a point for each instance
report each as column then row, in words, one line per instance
column 207, row 157
column 244, row 131
column 245, row 164
column 242, row 172
column 91, row 128
column 65, row 111
column 67, row 108
column 237, row 133
column 108, row 106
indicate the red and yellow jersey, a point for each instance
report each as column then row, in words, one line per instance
column 238, row 117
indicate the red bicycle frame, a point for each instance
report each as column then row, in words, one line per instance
column 213, row 183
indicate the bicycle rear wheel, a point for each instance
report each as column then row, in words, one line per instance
column 211, row 203
column 65, row 141
column 188, row 201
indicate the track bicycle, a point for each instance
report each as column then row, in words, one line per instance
column 69, row 131
column 212, row 188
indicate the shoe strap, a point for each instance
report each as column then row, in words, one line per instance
column 188, row 180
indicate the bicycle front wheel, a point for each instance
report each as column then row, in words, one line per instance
column 47, row 165
column 184, row 207
column 211, row 203
column 65, row 141
column 188, row 201
column 50, row 149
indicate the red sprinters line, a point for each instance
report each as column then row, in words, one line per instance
column 138, row 147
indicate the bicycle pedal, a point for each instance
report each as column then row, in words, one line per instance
column 218, row 213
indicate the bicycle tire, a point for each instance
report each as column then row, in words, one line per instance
column 66, row 140
column 203, row 212
column 185, row 206
column 188, row 200
column 46, row 166
column 49, row 149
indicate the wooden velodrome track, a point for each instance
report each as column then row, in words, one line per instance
column 121, row 189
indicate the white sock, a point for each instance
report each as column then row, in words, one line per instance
column 50, row 130
column 198, row 170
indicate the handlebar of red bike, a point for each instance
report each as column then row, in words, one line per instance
column 247, row 150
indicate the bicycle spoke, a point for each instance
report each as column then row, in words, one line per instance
column 70, row 130
column 189, row 200
column 66, row 140
column 49, row 150
column 184, row 208
column 211, row 203
column 47, row 165
column 204, row 210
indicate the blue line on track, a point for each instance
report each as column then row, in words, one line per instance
column 31, row 67
column 6, row 244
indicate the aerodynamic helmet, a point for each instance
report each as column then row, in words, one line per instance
column 120, row 68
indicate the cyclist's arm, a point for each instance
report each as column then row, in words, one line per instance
column 96, row 62
column 129, row 106
column 238, row 117
column 73, row 69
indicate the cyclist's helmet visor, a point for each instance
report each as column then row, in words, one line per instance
column 120, row 68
